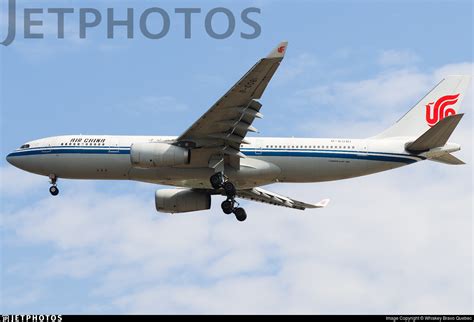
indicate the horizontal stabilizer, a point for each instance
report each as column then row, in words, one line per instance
column 436, row 136
column 448, row 158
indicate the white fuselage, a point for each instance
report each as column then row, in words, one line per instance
column 267, row 160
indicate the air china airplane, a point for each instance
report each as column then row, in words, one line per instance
column 214, row 156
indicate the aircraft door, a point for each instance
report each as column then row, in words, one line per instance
column 258, row 147
column 113, row 146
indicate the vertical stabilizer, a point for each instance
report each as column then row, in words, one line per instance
column 442, row 101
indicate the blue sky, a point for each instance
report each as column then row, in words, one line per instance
column 352, row 68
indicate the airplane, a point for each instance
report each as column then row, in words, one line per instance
column 214, row 156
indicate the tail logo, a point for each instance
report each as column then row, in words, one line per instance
column 441, row 109
column 281, row 49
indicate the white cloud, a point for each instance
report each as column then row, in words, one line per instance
column 394, row 57
column 366, row 107
column 397, row 242
column 363, row 254
column 466, row 68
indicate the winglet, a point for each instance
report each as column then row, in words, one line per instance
column 323, row 203
column 279, row 51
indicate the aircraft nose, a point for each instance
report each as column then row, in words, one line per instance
column 11, row 159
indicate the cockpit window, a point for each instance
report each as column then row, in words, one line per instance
column 25, row 146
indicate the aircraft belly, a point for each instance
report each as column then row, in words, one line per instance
column 378, row 166
column 182, row 177
column 252, row 173
column 317, row 169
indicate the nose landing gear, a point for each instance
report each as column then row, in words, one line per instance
column 53, row 189
column 218, row 181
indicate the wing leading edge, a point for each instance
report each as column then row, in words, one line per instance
column 222, row 129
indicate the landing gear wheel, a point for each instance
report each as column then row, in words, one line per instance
column 54, row 190
column 227, row 206
column 240, row 214
column 229, row 189
column 216, row 180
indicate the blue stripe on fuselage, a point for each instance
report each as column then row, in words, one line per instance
column 46, row 151
column 332, row 155
column 335, row 154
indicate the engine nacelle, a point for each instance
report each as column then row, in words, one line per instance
column 152, row 155
column 181, row 200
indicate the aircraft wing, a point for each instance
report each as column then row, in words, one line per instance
column 261, row 195
column 222, row 129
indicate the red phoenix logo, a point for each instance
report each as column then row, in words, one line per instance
column 440, row 109
column 281, row 49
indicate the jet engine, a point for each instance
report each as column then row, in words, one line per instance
column 181, row 200
column 152, row 155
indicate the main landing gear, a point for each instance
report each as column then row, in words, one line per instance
column 228, row 206
column 53, row 189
